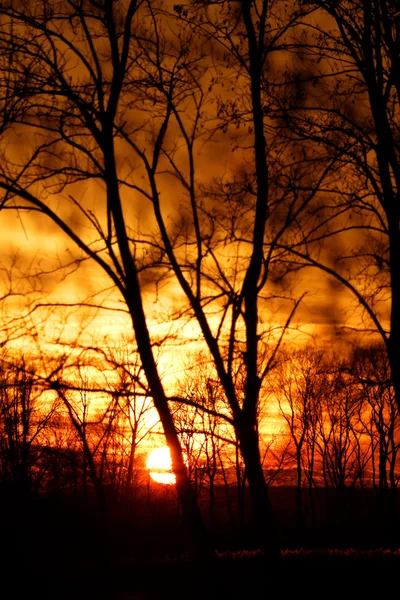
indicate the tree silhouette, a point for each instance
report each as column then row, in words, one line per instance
column 109, row 80
column 85, row 69
column 370, row 368
column 350, row 68
column 298, row 386
column 24, row 418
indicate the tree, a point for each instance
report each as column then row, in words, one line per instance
column 78, row 66
column 125, row 78
column 339, row 435
column 204, row 429
column 350, row 109
column 370, row 368
column 260, row 207
column 23, row 422
column 299, row 388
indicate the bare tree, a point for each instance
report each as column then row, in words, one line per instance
column 89, row 66
column 298, row 387
column 370, row 368
column 347, row 66
column 125, row 420
column 343, row 457
column 127, row 79
column 24, row 417
column 205, row 428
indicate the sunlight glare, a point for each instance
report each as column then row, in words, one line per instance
column 159, row 464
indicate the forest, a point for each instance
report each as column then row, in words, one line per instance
column 200, row 249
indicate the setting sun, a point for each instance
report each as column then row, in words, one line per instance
column 159, row 465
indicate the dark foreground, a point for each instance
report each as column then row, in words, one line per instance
column 70, row 551
column 238, row 575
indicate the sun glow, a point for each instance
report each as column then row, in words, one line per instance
column 159, row 464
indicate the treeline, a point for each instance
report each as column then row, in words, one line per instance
column 70, row 438
column 336, row 425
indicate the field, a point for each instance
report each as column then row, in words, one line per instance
column 64, row 549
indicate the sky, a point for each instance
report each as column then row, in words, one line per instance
column 33, row 245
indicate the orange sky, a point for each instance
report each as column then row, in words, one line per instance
column 325, row 308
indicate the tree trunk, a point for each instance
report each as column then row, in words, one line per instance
column 394, row 340
column 134, row 300
column 299, row 491
column 263, row 528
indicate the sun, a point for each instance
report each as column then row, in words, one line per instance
column 159, row 464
